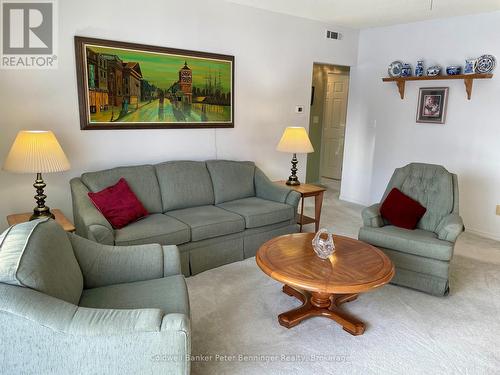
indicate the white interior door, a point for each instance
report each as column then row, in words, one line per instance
column 334, row 119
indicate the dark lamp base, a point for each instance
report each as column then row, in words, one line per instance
column 41, row 210
column 293, row 180
column 45, row 212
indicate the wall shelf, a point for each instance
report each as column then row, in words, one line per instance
column 468, row 80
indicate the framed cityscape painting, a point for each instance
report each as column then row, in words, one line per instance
column 134, row 86
column 432, row 102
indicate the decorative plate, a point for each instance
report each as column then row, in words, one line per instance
column 395, row 69
column 486, row 64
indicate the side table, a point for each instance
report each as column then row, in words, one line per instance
column 305, row 191
column 60, row 219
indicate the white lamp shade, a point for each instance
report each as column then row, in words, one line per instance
column 36, row 151
column 295, row 140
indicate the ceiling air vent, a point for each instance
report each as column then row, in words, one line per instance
column 333, row 35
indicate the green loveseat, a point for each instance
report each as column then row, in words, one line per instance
column 422, row 256
column 72, row 306
column 217, row 211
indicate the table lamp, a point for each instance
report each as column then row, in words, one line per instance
column 294, row 140
column 37, row 151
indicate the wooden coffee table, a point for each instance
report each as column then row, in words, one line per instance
column 323, row 285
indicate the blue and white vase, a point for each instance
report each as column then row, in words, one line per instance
column 419, row 68
column 470, row 66
column 406, row 70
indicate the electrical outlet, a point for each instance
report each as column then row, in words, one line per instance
column 498, row 209
column 299, row 109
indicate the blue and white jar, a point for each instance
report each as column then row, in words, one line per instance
column 406, row 70
column 453, row 70
column 470, row 66
column 419, row 68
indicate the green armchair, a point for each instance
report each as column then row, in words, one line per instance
column 422, row 256
column 70, row 305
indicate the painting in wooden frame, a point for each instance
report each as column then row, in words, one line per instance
column 134, row 86
column 432, row 103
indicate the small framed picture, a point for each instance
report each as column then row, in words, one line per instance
column 432, row 102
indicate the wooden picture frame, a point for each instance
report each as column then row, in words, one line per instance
column 432, row 105
column 135, row 86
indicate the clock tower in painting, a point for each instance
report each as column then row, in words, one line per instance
column 186, row 82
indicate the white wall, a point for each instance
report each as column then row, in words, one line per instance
column 274, row 56
column 382, row 133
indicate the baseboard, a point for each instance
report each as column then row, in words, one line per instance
column 352, row 200
column 491, row 236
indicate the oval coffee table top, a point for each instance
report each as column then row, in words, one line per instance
column 354, row 267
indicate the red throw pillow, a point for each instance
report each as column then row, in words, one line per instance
column 118, row 204
column 401, row 210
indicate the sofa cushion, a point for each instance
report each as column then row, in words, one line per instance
column 141, row 179
column 38, row 255
column 156, row 228
column 418, row 242
column 168, row 294
column 118, row 204
column 259, row 212
column 209, row 221
column 232, row 179
column 402, row 211
column 184, row 184
column 431, row 185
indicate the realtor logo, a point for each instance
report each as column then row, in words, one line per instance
column 28, row 34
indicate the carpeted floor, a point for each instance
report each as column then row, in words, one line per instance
column 235, row 308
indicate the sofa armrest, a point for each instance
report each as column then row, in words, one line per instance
column 266, row 189
column 93, row 322
column 141, row 327
column 171, row 261
column 176, row 322
column 450, row 228
column 293, row 199
column 160, row 342
column 64, row 317
column 89, row 222
column 371, row 216
column 103, row 265
column 35, row 325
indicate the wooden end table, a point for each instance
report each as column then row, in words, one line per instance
column 305, row 191
column 323, row 285
column 60, row 219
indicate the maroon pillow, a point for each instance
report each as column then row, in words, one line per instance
column 401, row 210
column 118, row 204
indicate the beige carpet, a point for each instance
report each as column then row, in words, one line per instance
column 235, row 308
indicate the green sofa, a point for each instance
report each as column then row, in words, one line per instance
column 421, row 256
column 72, row 306
column 216, row 211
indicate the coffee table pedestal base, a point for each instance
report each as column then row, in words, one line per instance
column 321, row 304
